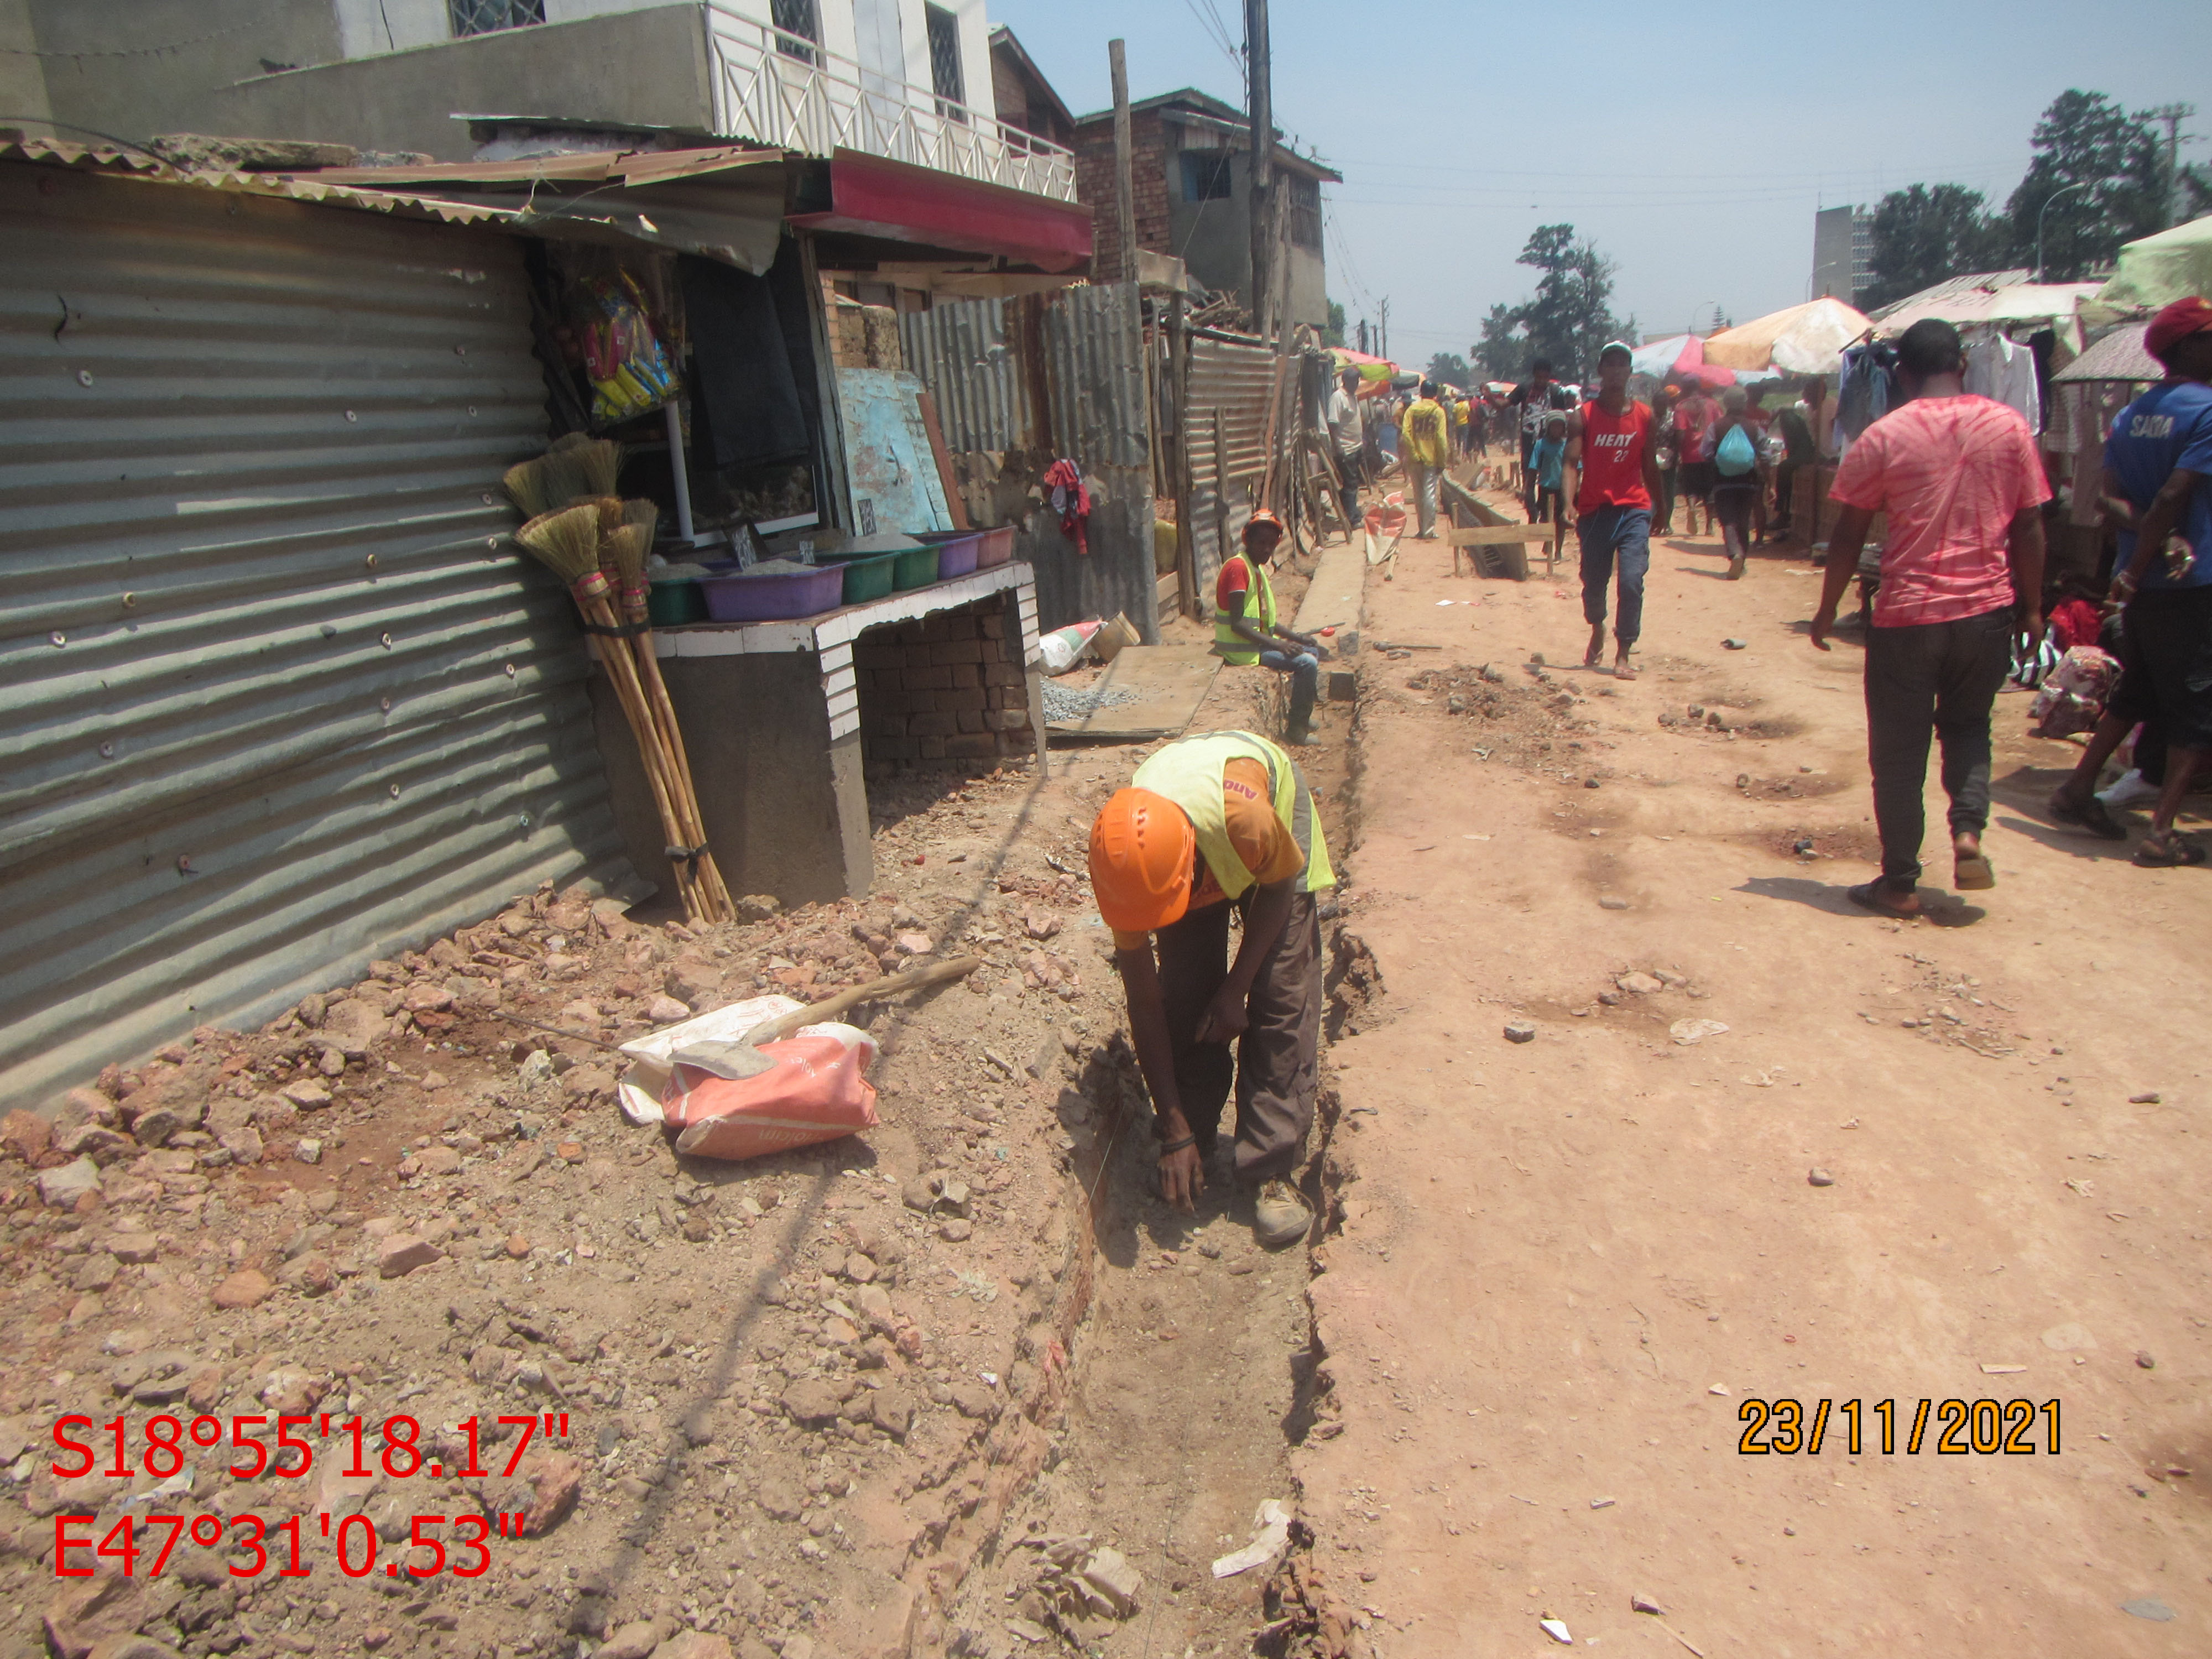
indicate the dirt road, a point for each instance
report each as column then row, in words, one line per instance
column 1568, row 1267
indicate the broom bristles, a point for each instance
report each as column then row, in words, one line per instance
column 536, row 486
column 566, row 541
column 629, row 544
column 644, row 512
column 596, row 461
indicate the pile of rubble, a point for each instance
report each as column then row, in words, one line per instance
column 766, row 1399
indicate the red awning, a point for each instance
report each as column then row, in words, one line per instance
column 871, row 197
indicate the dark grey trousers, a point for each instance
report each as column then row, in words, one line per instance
column 1938, row 678
column 1277, row 1066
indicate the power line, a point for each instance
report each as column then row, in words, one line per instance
column 1814, row 173
column 1210, row 23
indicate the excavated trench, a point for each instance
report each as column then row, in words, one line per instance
column 1183, row 1368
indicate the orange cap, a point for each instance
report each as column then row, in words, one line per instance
column 1143, row 847
column 1263, row 517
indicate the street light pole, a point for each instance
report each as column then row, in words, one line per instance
column 2083, row 184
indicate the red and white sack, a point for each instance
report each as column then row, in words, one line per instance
column 817, row 1089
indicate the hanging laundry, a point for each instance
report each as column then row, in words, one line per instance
column 2001, row 368
column 1072, row 502
column 1869, row 388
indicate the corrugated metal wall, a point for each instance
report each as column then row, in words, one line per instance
column 1095, row 373
column 1085, row 346
column 960, row 351
column 1230, row 379
column 276, row 703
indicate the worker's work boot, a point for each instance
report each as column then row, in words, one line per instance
column 1280, row 1216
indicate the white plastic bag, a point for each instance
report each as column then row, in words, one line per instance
column 642, row 1083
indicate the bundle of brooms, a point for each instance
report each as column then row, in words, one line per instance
column 598, row 545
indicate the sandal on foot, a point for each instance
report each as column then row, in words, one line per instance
column 1973, row 875
column 2167, row 852
column 2089, row 815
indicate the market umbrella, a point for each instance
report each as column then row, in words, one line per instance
column 1371, row 368
column 2158, row 269
column 1679, row 357
column 2118, row 356
column 1807, row 339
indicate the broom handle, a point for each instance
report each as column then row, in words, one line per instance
column 655, row 689
column 875, row 990
column 621, row 671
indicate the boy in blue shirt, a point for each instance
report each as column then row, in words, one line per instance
column 1547, row 462
column 2158, row 483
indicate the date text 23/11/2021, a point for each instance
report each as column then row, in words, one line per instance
column 1980, row 1427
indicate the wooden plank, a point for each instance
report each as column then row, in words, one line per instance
column 954, row 501
column 1169, row 682
column 1490, row 535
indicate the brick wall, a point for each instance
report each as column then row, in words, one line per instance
column 1094, row 187
column 945, row 689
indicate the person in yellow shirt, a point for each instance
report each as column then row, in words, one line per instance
column 1462, row 440
column 1425, row 450
column 1213, row 825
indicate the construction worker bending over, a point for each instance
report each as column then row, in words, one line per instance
column 1245, row 630
column 1209, row 825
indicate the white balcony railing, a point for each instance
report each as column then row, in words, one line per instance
column 781, row 88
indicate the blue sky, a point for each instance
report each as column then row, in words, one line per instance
column 1692, row 141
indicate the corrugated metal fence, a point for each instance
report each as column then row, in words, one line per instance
column 962, row 356
column 1227, row 429
column 1037, row 379
column 280, row 699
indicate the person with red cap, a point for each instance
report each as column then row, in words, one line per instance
column 1214, row 825
column 2158, row 485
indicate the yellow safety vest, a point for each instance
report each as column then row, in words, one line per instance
column 1229, row 645
column 1188, row 773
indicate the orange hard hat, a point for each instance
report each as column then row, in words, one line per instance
column 1263, row 517
column 1143, row 850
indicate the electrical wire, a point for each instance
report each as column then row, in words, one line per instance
column 1210, row 23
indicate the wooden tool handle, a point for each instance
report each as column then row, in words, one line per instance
column 891, row 985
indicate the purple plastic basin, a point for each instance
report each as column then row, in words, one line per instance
column 783, row 597
column 956, row 554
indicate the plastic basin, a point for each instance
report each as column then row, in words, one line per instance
column 672, row 603
column 957, row 553
column 995, row 546
column 867, row 578
column 916, row 567
column 781, row 596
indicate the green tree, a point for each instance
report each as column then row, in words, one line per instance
column 1566, row 320
column 1451, row 369
column 2110, row 167
column 1334, row 333
column 1929, row 234
column 1503, row 351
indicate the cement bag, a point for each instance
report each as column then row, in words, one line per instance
column 648, row 1078
column 1062, row 648
column 817, row 1089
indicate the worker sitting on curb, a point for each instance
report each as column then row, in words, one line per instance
column 1214, row 823
column 1245, row 630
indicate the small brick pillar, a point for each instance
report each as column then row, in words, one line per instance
column 948, row 690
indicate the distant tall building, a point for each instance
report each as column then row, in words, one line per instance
column 1842, row 254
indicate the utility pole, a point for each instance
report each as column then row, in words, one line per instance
column 2172, row 115
column 1258, row 74
column 1125, row 166
column 1363, row 338
column 1383, row 327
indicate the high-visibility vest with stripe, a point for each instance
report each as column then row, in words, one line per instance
column 1188, row 773
column 1229, row 645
